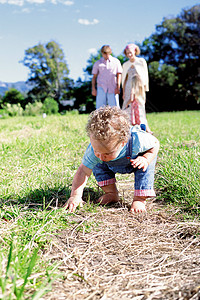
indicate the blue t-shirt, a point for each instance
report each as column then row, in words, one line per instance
column 141, row 142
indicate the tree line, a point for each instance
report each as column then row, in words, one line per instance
column 172, row 54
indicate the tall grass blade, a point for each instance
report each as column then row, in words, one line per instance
column 29, row 270
column 4, row 282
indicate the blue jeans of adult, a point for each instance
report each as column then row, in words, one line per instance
column 103, row 98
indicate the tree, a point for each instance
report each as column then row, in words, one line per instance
column 12, row 96
column 90, row 62
column 83, row 96
column 177, row 43
column 162, row 96
column 48, row 71
column 82, row 89
column 50, row 106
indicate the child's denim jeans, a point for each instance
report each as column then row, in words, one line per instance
column 144, row 180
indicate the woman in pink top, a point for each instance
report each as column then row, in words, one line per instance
column 135, row 84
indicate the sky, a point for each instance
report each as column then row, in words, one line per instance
column 80, row 27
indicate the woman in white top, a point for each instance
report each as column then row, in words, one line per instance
column 135, row 84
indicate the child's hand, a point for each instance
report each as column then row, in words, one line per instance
column 73, row 202
column 140, row 162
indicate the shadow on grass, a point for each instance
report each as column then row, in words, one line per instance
column 49, row 198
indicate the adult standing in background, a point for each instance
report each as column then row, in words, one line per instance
column 107, row 75
column 135, row 84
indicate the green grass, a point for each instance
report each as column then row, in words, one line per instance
column 38, row 160
column 178, row 176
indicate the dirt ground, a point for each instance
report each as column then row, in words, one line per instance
column 112, row 254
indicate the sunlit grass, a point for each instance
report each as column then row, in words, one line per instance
column 38, row 160
column 178, row 177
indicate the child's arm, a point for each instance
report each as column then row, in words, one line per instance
column 142, row 162
column 78, row 184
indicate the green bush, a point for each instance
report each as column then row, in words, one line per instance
column 13, row 110
column 50, row 106
column 3, row 112
column 33, row 109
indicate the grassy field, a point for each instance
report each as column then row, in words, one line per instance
column 38, row 160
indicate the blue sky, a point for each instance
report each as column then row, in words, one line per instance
column 80, row 27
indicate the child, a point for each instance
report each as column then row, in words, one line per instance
column 115, row 147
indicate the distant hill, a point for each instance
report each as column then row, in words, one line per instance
column 21, row 86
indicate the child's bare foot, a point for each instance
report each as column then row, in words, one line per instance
column 108, row 198
column 138, row 206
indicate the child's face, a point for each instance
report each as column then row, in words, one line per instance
column 106, row 152
column 130, row 54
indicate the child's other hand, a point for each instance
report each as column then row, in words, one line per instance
column 73, row 203
column 140, row 162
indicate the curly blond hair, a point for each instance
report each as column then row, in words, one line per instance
column 109, row 123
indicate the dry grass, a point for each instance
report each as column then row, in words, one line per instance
column 151, row 256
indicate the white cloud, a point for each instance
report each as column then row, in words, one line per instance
column 36, row 1
column 26, row 10
column 22, row 11
column 68, row 3
column 92, row 50
column 21, row 2
column 87, row 22
column 15, row 2
column 65, row 2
